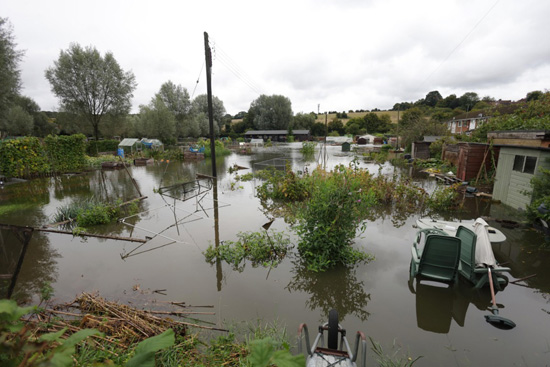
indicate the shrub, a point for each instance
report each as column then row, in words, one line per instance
column 93, row 147
column 328, row 224
column 66, row 153
column 25, row 157
column 258, row 247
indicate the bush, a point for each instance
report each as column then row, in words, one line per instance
column 25, row 157
column 66, row 153
column 93, row 147
column 328, row 223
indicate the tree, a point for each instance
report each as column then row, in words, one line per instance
column 534, row 95
column 375, row 124
column 17, row 122
column 318, row 129
column 450, row 101
column 271, row 112
column 468, row 100
column 240, row 115
column 303, row 120
column 336, row 125
column 90, row 85
column 10, row 82
column 177, row 100
column 413, row 126
column 42, row 126
column 200, row 105
column 158, row 121
column 432, row 98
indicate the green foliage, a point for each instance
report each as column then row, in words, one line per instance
column 327, row 224
column 66, row 153
column 303, row 120
column 91, row 85
column 245, row 177
column 22, row 349
column 284, row 186
column 260, row 248
column 95, row 215
column 263, row 354
column 221, row 150
column 308, row 147
column 25, row 157
column 145, row 351
column 271, row 112
column 436, row 148
column 540, row 197
column 158, row 121
column 534, row 115
column 9, row 68
column 93, row 147
column 444, row 198
column 435, row 164
column 90, row 212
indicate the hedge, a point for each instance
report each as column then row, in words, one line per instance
column 97, row 146
column 66, row 153
column 24, row 157
column 30, row 157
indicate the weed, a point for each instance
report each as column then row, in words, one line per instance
column 260, row 248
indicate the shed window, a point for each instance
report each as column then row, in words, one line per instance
column 530, row 164
column 525, row 164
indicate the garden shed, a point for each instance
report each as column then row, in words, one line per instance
column 130, row 145
column 153, row 144
column 517, row 165
column 473, row 158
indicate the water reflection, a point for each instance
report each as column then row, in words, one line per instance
column 39, row 267
column 437, row 305
column 338, row 288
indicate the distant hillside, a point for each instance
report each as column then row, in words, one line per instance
column 331, row 116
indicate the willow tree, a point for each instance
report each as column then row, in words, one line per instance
column 10, row 75
column 90, row 85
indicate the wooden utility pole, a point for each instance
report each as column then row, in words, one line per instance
column 208, row 54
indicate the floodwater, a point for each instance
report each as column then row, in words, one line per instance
column 445, row 326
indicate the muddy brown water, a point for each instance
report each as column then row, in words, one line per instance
column 445, row 326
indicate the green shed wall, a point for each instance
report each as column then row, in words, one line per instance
column 510, row 185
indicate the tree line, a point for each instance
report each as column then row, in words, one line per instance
column 95, row 95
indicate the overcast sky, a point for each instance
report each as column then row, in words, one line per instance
column 339, row 54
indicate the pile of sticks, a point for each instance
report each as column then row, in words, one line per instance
column 121, row 324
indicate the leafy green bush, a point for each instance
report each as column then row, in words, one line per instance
column 444, row 198
column 328, row 223
column 308, row 147
column 221, row 150
column 25, row 157
column 260, row 248
column 278, row 185
column 93, row 147
column 66, row 153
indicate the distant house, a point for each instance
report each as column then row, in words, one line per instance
column 522, row 153
column 465, row 125
column 277, row 135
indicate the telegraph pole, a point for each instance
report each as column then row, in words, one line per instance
column 208, row 54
